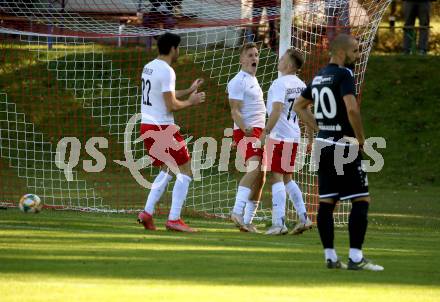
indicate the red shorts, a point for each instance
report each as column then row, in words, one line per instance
column 247, row 149
column 279, row 156
column 165, row 144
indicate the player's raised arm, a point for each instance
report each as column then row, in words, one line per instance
column 194, row 87
column 302, row 109
column 173, row 104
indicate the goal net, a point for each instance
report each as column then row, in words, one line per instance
column 70, row 91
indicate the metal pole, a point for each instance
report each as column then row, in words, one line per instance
column 286, row 14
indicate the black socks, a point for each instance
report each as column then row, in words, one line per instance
column 357, row 223
column 326, row 224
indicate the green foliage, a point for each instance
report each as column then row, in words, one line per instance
column 391, row 41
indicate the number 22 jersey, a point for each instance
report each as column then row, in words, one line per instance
column 157, row 77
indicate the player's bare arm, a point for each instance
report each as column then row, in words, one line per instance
column 354, row 116
column 237, row 117
column 277, row 109
column 310, row 138
column 194, row 87
column 302, row 109
column 174, row 104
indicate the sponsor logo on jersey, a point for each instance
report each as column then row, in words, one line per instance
column 322, row 80
column 295, row 90
column 147, row 71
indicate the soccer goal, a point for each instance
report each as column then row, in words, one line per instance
column 70, row 91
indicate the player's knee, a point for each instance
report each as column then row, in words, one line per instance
column 359, row 210
column 361, row 199
column 326, row 206
column 330, row 201
column 275, row 178
column 186, row 169
column 325, row 211
column 287, row 178
column 255, row 174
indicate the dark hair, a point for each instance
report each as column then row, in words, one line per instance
column 166, row 41
column 295, row 57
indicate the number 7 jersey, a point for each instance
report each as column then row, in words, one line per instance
column 327, row 90
column 157, row 77
column 285, row 90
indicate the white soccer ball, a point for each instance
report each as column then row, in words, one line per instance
column 30, row 203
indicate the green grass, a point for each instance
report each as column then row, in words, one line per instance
column 71, row 256
column 400, row 103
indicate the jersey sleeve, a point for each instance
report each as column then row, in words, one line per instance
column 168, row 81
column 236, row 90
column 307, row 92
column 347, row 83
column 277, row 93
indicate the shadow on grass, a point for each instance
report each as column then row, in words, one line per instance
column 70, row 244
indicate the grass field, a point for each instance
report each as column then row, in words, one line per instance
column 75, row 256
column 71, row 256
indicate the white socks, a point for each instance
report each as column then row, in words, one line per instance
column 180, row 191
column 242, row 203
column 241, row 199
column 297, row 200
column 250, row 211
column 159, row 185
column 330, row 254
column 355, row 255
column 278, row 203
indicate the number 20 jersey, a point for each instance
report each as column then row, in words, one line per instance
column 285, row 90
column 327, row 90
column 157, row 77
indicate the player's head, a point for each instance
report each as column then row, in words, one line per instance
column 345, row 49
column 168, row 44
column 290, row 62
column 249, row 57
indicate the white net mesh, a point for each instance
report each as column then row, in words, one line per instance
column 72, row 80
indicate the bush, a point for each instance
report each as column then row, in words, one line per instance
column 389, row 41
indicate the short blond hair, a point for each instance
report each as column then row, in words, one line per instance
column 247, row 46
column 295, row 57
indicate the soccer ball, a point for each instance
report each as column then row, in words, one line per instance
column 30, row 203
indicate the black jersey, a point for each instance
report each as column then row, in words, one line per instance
column 327, row 90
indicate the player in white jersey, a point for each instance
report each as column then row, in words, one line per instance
column 248, row 112
column 283, row 134
column 161, row 136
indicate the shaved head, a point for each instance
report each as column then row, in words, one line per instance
column 344, row 50
column 341, row 42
